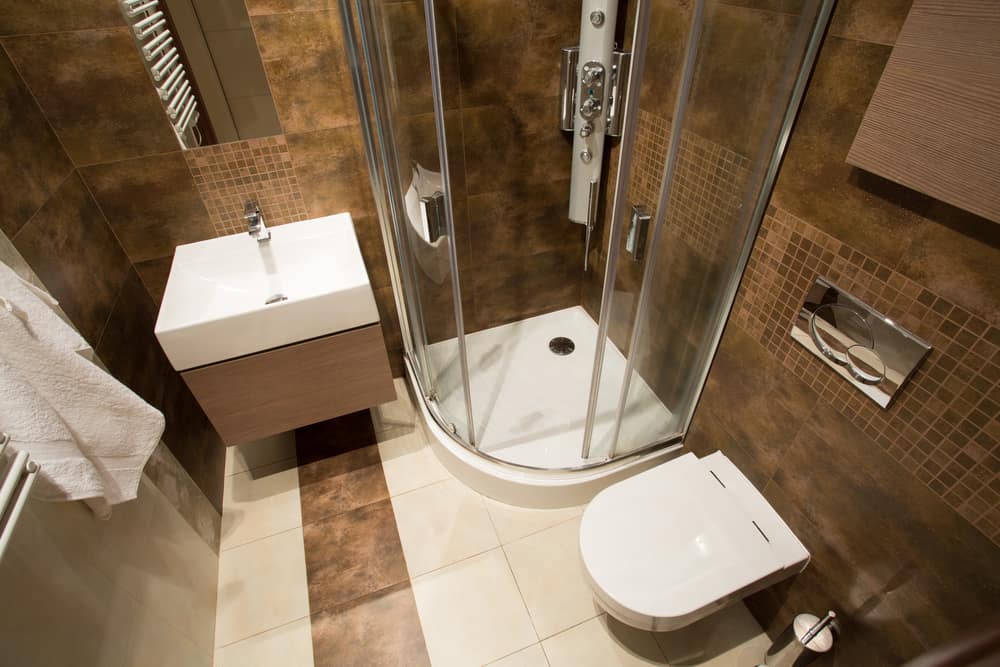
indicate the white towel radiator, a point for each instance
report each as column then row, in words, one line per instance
column 15, row 484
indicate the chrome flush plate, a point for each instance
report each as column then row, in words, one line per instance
column 863, row 346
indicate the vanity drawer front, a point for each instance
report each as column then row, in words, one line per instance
column 292, row 386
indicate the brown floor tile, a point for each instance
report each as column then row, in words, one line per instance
column 333, row 437
column 380, row 629
column 353, row 554
column 341, row 483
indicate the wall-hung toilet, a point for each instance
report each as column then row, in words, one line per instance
column 675, row 543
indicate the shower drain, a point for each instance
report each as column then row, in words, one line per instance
column 561, row 345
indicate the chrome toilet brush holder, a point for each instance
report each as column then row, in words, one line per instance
column 803, row 641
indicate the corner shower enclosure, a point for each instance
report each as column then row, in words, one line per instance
column 539, row 345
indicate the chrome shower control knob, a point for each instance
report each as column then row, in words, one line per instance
column 597, row 18
column 586, row 156
column 586, row 129
column 589, row 108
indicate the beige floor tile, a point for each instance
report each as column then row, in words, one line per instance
column 513, row 523
column 471, row 612
column 153, row 642
column 289, row 645
column 174, row 572
column 399, row 416
column 549, row 573
column 441, row 524
column 259, row 453
column 728, row 638
column 533, row 656
column 409, row 463
column 259, row 503
column 602, row 642
column 262, row 585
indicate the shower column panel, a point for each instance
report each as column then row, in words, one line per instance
column 593, row 85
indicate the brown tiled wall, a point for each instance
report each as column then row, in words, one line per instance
column 518, row 253
column 69, row 100
column 945, row 424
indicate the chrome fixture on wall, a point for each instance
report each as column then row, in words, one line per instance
column 592, row 97
column 865, row 347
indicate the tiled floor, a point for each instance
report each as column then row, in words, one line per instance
column 349, row 544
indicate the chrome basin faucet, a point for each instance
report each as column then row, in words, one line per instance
column 255, row 222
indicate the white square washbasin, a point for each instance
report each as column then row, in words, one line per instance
column 232, row 296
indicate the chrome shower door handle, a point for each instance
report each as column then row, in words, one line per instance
column 432, row 208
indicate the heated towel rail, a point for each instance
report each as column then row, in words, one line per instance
column 162, row 55
column 15, row 483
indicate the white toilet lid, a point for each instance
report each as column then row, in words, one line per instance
column 683, row 535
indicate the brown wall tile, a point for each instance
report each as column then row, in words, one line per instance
column 877, row 22
column 303, row 54
column 955, row 253
column 151, row 203
column 70, row 246
column 514, row 145
column 409, row 60
column 331, row 172
column 513, row 289
column 262, row 7
column 18, row 17
column 129, row 349
column 530, row 35
column 154, row 274
column 93, row 88
column 32, row 164
column 815, row 183
column 524, row 220
column 389, row 319
column 741, row 71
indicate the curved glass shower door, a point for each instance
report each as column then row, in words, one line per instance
column 408, row 154
column 708, row 150
column 524, row 351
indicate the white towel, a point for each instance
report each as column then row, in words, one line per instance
column 90, row 434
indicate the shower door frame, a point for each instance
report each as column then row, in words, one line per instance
column 385, row 185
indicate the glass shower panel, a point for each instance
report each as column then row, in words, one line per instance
column 718, row 151
column 660, row 63
column 423, row 224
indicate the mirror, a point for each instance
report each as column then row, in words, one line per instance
column 205, row 64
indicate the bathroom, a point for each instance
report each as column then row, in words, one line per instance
column 498, row 338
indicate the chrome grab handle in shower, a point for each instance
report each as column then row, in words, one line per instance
column 635, row 242
column 592, row 202
column 432, row 208
column 567, row 87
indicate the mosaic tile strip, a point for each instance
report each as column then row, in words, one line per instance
column 227, row 175
column 945, row 425
column 710, row 179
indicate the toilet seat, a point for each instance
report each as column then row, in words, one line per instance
column 675, row 543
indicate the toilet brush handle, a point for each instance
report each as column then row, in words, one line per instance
column 817, row 628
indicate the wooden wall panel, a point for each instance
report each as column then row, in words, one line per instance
column 934, row 121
